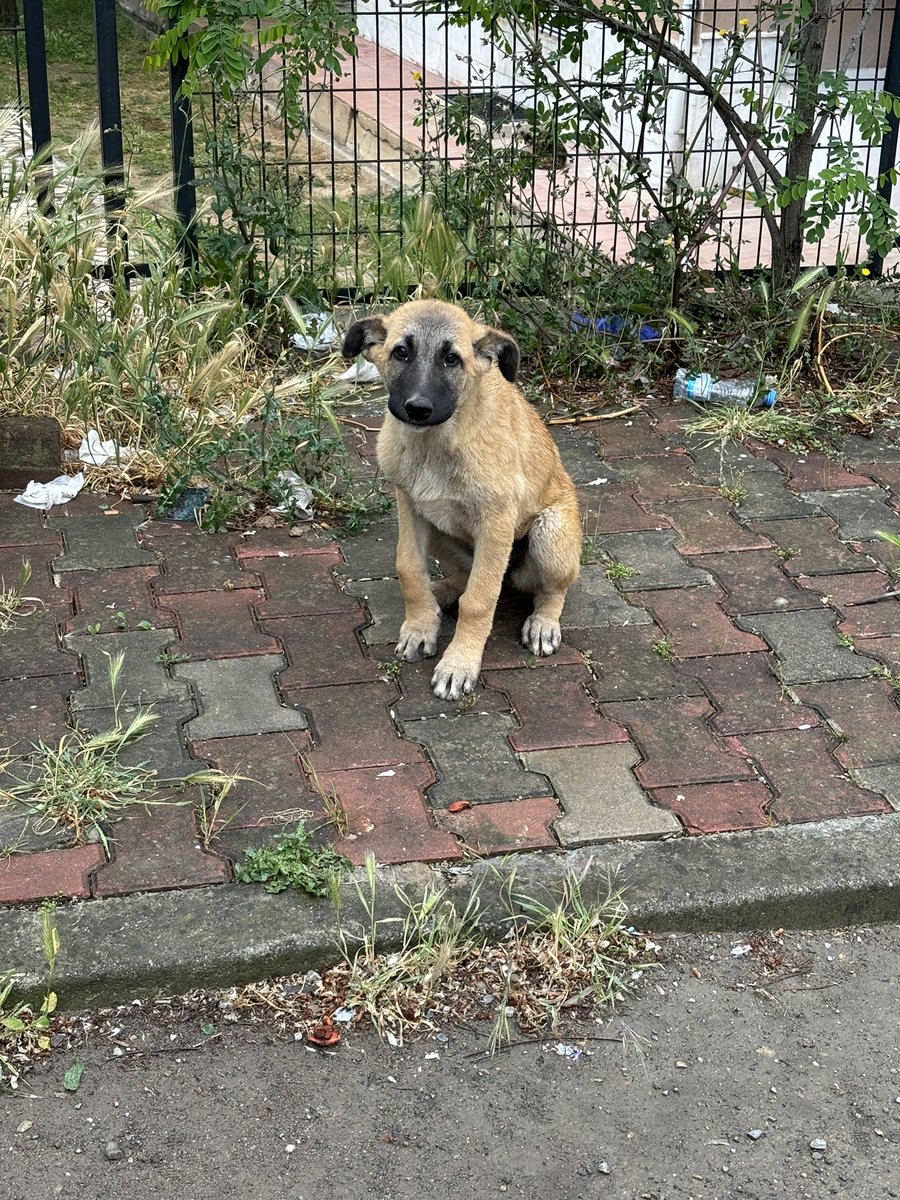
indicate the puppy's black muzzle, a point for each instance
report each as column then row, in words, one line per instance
column 421, row 399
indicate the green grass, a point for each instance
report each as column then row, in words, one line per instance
column 72, row 80
column 293, row 862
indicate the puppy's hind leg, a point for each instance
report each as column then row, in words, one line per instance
column 456, row 560
column 550, row 568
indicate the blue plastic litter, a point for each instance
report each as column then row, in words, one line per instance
column 613, row 326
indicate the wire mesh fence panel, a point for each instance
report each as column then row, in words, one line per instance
column 13, row 91
column 534, row 139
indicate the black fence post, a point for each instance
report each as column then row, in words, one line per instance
column 38, row 93
column 888, row 156
column 183, row 161
column 110, row 104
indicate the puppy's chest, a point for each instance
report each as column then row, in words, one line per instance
column 438, row 489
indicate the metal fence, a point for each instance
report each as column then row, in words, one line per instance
column 428, row 105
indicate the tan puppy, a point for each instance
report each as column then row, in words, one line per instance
column 476, row 473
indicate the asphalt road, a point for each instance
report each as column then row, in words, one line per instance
column 773, row 1072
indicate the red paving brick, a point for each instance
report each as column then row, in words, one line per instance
column 300, row 584
column 387, row 816
column 865, row 712
column 695, row 623
column 800, row 768
column 718, row 807
column 886, row 650
column 676, row 744
column 158, row 850
column 749, row 697
column 265, row 543
column 813, row 472
column 25, row 878
column 885, row 473
column 668, row 479
column 101, row 595
column 506, row 827
column 274, row 790
column 613, row 508
column 352, row 727
column 709, row 527
column 219, row 625
column 553, row 708
column 322, row 650
column 845, row 591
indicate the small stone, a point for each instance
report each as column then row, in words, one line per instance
column 754, row 1134
column 604, row 1168
column 113, row 1152
column 265, row 522
column 296, row 531
column 818, row 1144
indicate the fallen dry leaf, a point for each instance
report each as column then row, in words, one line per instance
column 458, row 806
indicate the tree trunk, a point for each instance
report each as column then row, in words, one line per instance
column 808, row 52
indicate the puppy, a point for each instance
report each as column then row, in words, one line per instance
column 476, row 474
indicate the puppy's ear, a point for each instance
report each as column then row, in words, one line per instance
column 362, row 335
column 502, row 349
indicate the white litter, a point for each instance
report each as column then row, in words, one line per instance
column 385, row 774
column 342, row 1015
column 362, row 371
column 97, row 453
column 317, row 331
column 58, row 491
column 298, row 497
column 565, row 1051
column 742, row 950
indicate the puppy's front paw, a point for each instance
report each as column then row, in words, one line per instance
column 416, row 642
column 541, row 635
column 454, row 678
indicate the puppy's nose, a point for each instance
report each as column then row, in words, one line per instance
column 419, row 409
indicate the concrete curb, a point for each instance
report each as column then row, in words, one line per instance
column 802, row 876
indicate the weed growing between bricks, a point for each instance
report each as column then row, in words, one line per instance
column 13, row 599
column 79, row 785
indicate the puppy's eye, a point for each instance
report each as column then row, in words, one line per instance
column 452, row 359
column 400, row 353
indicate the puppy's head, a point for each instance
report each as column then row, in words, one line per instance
column 429, row 355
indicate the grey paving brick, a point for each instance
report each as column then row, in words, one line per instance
column 807, row 646
column 371, row 554
column 728, row 463
column 810, row 546
column 652, row 556
column 161, row 748
column 474, row 761
column 20, row 831
column 237, row 696
column 384, row 601
column 580, row 453
column 766, row 497
column 600, row 795
column 883, row 446
column 884, row 780
column 859, row 512
column 142, row 679
column 94, row 541
column 594, row 602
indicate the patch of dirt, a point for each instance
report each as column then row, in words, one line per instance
column 754, row 1066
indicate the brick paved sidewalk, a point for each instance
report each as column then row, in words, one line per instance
column 723, row 679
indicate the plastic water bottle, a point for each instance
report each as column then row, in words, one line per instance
column 703, row 388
